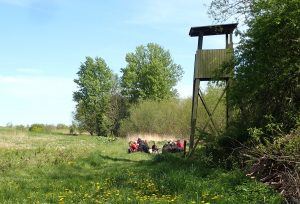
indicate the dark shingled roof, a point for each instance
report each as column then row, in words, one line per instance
column 213, row 29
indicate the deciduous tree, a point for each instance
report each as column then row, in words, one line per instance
column 150, row 74
column 93, row 95
column 265, row 87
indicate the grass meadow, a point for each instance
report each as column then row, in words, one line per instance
column 58, row 168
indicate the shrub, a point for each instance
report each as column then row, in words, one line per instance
column 170, row 117
column 37, row 128
column 276, row 163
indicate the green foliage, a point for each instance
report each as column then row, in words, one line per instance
column 42, row 128
column 73, row 129
column 211, row 96
column 37, row 128
column 118, row 108
column 64, row 169
column 172, row 117
column 94, row 85
column 283, row 145
column 264, row 88
column 150, row 74
column 169, row 117
column 277, row 162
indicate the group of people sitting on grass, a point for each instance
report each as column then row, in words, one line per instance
column 138, row 146
column 142, row 146
column 173, row 147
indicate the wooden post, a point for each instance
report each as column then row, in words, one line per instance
column 194, row 112
column 227, row 41
column 227, row 109
column 196, row 87
column 184, row 148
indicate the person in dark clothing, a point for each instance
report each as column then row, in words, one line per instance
column 154, row 148
column 143, row 146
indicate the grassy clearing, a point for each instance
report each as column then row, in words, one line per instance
column 82, row 169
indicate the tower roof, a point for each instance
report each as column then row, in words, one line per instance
column 212, row 29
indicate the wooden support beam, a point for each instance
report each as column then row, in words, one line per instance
column 227, row 43
column 227, row 105
column 208, row 112
column 194, row 112
column 214, row 109
column 196, row 88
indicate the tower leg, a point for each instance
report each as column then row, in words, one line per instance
column 196, row 87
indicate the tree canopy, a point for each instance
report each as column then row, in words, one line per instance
column 94, row 86
column 268, row 65
column 265, row 88
column 150, row 74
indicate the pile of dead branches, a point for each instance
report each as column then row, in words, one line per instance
column 277, row 164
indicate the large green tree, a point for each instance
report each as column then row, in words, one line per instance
column 93, row 96
column 150, row 74
column 265, row 88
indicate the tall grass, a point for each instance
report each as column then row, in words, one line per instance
column 45, row 168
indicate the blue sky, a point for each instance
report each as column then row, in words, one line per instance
column 43, row 42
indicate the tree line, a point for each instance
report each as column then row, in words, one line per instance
column 103, row 99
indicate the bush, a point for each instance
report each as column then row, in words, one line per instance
column 37, row 128
column 171, row 117
column 276, row 163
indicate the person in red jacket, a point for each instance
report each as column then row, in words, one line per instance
column 133, row 147
column 179, row 145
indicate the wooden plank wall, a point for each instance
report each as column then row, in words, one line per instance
column 208, row 61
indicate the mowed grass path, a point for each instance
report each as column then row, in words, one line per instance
column 55, row 168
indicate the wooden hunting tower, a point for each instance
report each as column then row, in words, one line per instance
column 207, row 62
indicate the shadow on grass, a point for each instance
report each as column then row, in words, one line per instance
column 116, row 159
